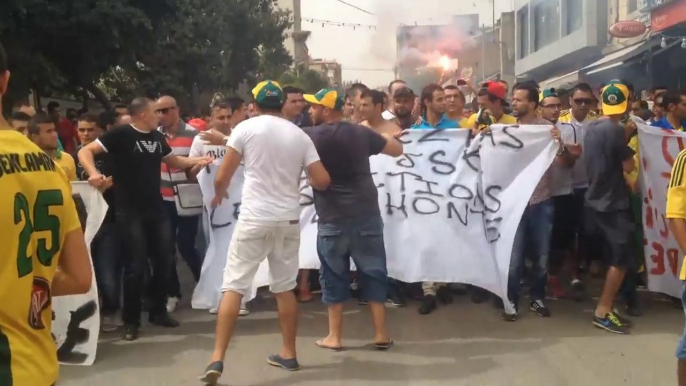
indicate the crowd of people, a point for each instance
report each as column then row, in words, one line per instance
column 584, row 213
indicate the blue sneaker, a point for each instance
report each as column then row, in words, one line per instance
column 212, row 373
column 286, row 364
column 611, row 323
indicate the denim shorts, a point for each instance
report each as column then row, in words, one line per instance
column 361, row 240
column 681, row 348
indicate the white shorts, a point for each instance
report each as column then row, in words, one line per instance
column 251, row 243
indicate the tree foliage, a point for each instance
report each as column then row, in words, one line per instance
column 308, row 80
column 123, row 48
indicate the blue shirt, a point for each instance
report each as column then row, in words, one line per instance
column 444, row 123
column 664, row 124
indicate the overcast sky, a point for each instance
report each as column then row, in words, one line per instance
column 365, row 49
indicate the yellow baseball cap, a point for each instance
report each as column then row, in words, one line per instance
column 327, row 97
column 268, row 93
column 615, row 99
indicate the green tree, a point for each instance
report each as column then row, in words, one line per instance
column 309, row 80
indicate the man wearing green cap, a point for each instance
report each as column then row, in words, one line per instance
column 350, row 223
column 275, row 151
column 608, row 219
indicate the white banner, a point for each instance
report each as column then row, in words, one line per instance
column 451, row 206
column 76, row 325
column 222, row 221
column 658, row 149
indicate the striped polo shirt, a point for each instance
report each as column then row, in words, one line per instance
column 181, row 146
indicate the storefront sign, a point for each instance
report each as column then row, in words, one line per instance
column 627, row 29
column 668, row 16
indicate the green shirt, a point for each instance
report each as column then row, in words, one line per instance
column 59, row 145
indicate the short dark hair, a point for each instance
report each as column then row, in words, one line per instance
column 292, row 90
column 642, row 104
column 390, row 85
column 22, row 103
column 20, row 116
column 120, row 106
column 52, row 106
column 583, row 87
column 36, row 121
column 4, row 66
column 531, row 91
column 644, row 114
column 107, row 118
column 357, row 87
column 235, row 103
column 376, row 96
column 428, row 94
column 459, row 92
column 88, row 117
column 221, row 105
column 138, row 105
column 672, row 97
column 268, row 108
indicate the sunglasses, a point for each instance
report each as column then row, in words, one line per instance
column 583, row 101
column 165, row 110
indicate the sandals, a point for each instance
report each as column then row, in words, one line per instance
column 320, row 344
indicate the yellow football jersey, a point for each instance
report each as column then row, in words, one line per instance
column 506, row 119
column 566, row 116
column 36, row 212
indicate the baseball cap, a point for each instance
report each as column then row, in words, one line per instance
column 615, row 99
column 327, row 97
column 198, row 124
column 549, row 92
column 268, row 93
column 496, row 89
column 403, row 91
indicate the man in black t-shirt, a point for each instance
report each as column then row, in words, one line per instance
column 350, row 223
column 136, row 152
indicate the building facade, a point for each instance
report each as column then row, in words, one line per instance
column 330, row 69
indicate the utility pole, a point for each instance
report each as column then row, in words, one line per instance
column 483, row 52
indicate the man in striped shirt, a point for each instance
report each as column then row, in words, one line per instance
column 179, row 136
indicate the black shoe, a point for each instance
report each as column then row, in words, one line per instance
column 479, row 295
column 539, row 308
column 443, row 295
column 624, row 321
column 362, row 302
column 428, row 305
column 578, row 291
column 459, row 289
column 163, row 320
column 610, row 323
column 396, row 299
column 632, row 309
column 286, row 364
column 130, row 332
column 212, row 373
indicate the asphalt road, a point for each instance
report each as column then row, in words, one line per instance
column 459, row 344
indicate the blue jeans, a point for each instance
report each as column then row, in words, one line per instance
column 184, row 231
column 108, row 267
column 536, row 226
column 361, row 240
column 681, row 348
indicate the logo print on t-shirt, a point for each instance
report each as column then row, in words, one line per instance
column 149, row 146
column 40, row 300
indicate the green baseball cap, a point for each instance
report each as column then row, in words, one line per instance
column 549, row 92
column 268, row 93
column 615, row 99
column 327, row 97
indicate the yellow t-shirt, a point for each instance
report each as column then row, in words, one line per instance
column 66, row 162
column 506, row 119
column 676, row 195
column 633, row 176
column 36, row 212
column 566, row 116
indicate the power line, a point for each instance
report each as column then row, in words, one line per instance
column 338, row 23
column 356, row 7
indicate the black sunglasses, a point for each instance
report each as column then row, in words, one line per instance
column 583, row 101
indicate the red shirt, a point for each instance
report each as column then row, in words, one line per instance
column 68, row 135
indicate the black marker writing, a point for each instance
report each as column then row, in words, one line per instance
column 406, row 160
column 430, row 203
column 516, row 142
column 390, row 206
column 446, row 167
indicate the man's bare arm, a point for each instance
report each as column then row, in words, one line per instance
column 678, row 227
column 87, row 157
column 74, row 272
column 232, row 159
column 177, row 162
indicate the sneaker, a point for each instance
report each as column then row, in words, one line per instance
column 539, row 308
column 555, row 289
column 443, row 295
column 286, row 364
column 428, row 305
column 212, row 373
column 172, row 302
column 610, row 323
column 578, row 291
column 214, row 311
column 243, row 311
column 362, row 302
column 511, row 317
column 163, row 320
column 130, row 332
column 109, row 323
column 624, row 321
column 396, row 299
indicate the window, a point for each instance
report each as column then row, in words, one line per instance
column 632, row 6
column 546, row 17
column 574, row 12
column 523, row 32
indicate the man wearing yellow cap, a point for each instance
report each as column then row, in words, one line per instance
column 609, row 223
column 275, row 152
column 349, row 210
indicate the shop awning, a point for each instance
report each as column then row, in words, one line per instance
column 617, row 58
column 558, row 81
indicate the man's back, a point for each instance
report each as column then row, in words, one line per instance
column 345, row 149
column 274, row 152
column 36, row 212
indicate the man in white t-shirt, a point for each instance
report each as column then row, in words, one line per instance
column 392, row 88
column 274, row 152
